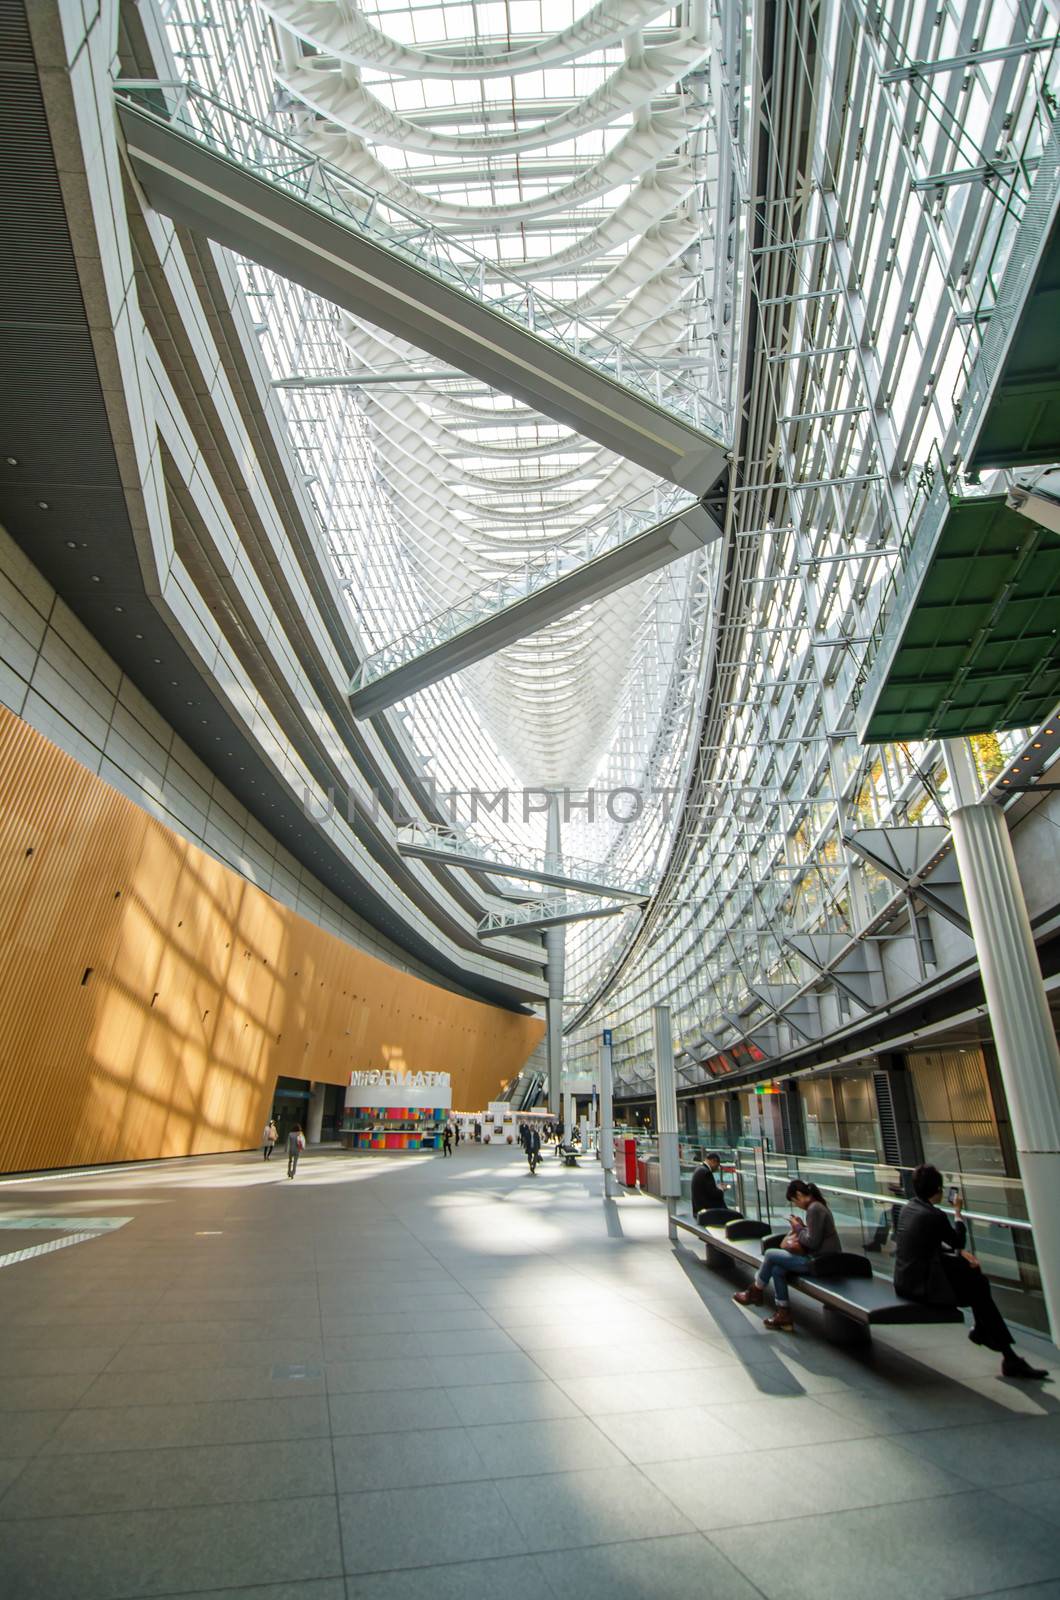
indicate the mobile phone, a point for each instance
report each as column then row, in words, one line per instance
column 952, row 1193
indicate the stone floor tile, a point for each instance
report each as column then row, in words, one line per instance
column 57, row 1392
column 31, row 1361
column 1009, row 1451
column 649, row 1569
column 137, row 1480
column 515, row 1578
column 968, row 1544
column 97, row 1428
column 397, row 1460
column 140, row 1553
column 510, row 1402
column 723, row 1490
column 562, row 1444
column 558, row 1511
column 391, row 1411
column 215, row 1355
column 694, row 1431
column 416, row 1527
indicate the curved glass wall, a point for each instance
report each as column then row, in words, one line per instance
column 809, row 221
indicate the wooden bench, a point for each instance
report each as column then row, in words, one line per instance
column 853, row 1301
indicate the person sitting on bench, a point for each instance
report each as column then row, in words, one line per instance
column 931, row 1265
column 707, row 1192
column 802, row 1249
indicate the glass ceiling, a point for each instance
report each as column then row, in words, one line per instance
column 576, row 147
column 604, row 155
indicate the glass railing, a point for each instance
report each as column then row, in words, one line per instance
column 1003, row 275
column 608, row 533
column 865, row 1196
column 262, row 150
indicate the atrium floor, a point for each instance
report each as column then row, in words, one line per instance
column 407, row 1377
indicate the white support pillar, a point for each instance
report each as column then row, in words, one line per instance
column 556, row 951
column 607, row 1119
column 666, row 1111
column 568, row 1115
column 1027, row 1051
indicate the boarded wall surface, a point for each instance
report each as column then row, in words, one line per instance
column 150, row 996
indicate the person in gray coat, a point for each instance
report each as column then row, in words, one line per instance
column 295, row 1146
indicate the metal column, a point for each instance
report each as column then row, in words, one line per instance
column 607, row 1126
column 666, row 1111
column 1027, row 1051
column 556, row 950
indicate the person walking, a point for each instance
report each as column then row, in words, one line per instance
column 268, row 1140
column 806, row 1245
column 931, row 1265
column 532, row 1146
column 447, row 1140
column 295, row 1146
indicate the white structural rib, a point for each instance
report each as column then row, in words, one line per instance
column 657, row 249
column 635, row 154
column 634, row 84
column 343, row 30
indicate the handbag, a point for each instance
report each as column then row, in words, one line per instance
column 793, row 1241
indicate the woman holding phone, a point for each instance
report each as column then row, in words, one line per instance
column 808, row 1241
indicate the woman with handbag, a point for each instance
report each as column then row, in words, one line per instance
column 801, row 1250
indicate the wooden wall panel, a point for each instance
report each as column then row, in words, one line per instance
column 199, row 989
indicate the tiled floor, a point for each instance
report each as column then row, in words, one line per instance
column 409, row 1377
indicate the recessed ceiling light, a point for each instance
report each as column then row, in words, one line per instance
column 42, row 505
column 12, row 461
column 71, row 544
column 96, row 578
column 119, row 608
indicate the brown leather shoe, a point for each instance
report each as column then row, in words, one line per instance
column 780, row 1321
column 751, row 1296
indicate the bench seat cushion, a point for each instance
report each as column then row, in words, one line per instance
column 871, row 1300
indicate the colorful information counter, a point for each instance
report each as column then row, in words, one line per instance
column 396, row 1110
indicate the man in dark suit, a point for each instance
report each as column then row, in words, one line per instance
column 931, row 1265
column 707, row 1192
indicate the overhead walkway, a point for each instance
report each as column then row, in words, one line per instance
column 977, row 648
column 1014, row 391
column 627, row 544
column 965, row 641
column 222, row 172
column 552, row 913
column 455, row 849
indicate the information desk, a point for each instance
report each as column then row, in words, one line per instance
column 396, row 1110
